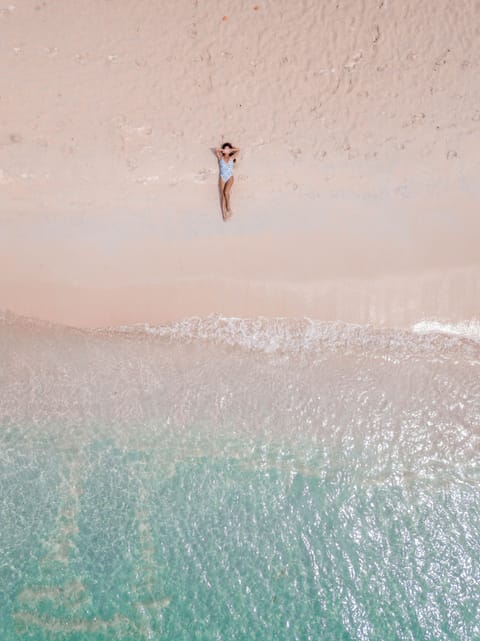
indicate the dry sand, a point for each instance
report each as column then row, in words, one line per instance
column 356, row 194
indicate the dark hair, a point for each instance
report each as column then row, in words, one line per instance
column 227, row 144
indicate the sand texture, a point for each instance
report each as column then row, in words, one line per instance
column 356, row 193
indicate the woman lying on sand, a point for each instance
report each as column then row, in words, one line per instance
column 226, row 156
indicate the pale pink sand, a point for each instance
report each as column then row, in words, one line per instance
column 356, row 194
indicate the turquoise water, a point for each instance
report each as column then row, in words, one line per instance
column 226, row 550
column 163, row 489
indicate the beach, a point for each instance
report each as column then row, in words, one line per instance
column 356, row 187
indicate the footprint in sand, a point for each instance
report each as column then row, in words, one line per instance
column 81, row 58
column 295, row 152
column 5, row 179
column 7, row 11
column 202, row 176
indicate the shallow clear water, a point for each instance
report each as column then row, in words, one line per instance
column 226, row 479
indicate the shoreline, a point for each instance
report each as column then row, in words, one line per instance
column 400, row 301
column 388, row 264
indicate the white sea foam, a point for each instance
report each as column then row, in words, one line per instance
column 301, row 335
column 468, row 329
column 270, row 335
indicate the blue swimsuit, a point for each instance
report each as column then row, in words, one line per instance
column 226, row 169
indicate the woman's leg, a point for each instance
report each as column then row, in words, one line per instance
column 222, row 195
column 228, row 187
